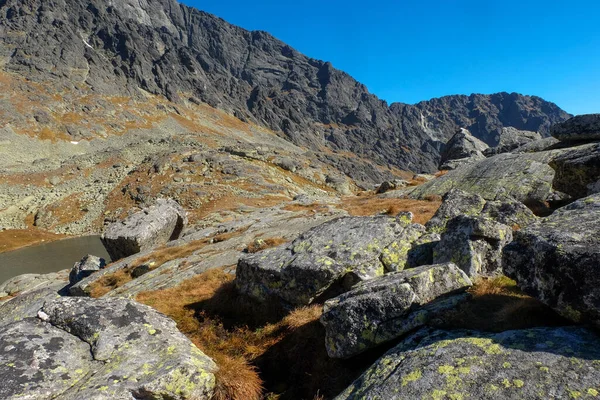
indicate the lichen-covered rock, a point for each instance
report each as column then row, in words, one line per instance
column 395, row 255
column 462, row 146
column 524, row 177
column 101, row 349
column 579, row 128
column 454, row 203
column 540, row 363
column 29, row 282
column 149, row 228
column 421, row 251
column 27, row 305
column 544, row 144
column 510, row 139
column 509, row 212
column 84, row 268
column 345, row 249
column 577, row 169
column 387, row 307
column 474, row 244
column 391, row 185
column 557, row 260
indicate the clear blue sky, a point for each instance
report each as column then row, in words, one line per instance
column 410, row 51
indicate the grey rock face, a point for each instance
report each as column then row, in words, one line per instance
column 462, row 147
column 30, row 282
column 342, row 251
column 579, row 128
column 454, row 203
column 474, row 244
column 541, row 363
column 577, row 169
column 392, row 185
column 511, row 139
column 556, row 260
column 84, row 268
column 169, row 49
column 26, row 305
column 387, row 307
column 152, row 227
column 101, row 349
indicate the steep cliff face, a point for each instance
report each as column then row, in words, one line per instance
column 129, row 47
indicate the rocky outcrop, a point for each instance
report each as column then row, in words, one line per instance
column 144, row 230
column 29, row 282
column 540, row 363
column 462, row 148
column 511, row 139
column 84, row 268
column 341, row 252
column 577, row 170
column 474, row 244
column 391, row 185
column 388, row 307
column 556, row 260
column 579, row 128
column 101, row 349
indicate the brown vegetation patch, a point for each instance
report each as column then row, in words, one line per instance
column 261, row 351
column 262, row 244
column 498, row 305
column 422, row 210
column 67, row 210
column 17, row 238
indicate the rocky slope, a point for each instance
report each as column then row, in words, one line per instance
column 130, row 48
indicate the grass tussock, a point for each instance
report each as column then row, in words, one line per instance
column 262, row 244
column 263, row 352
column 498, row 305
column 422, row 210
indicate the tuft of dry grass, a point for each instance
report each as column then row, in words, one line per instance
column 498, row 305
column 441, row 173
column 422, row 210
column 262, row 244
column 251, row 341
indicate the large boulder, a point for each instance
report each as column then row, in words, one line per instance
column 144, row 230
column 101, row 349
column 579, row 128
column 474, row 244
column 540, row 363
column 84, row 268
column 577, row 170
column 460, row 149
column 511, row 139
column 557, row 260
column 22, row 284
column 388, row 307
column 341, row 252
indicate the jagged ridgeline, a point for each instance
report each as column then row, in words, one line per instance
column 129, row 47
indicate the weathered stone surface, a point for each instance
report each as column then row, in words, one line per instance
column 557, row 258
column 391, row 185
column 511, row 139
column 524, row 177
column 454, row 203
column 544, row 144
column 540, row 363
column 421, row 251
column 27, row 305
column 474, row 244
column 395, row 255
column 29, row 282
column 84, row 268
column 347, row 248
column 579, row 128
column 462, row 146
column 577, row 169
column 387, row 307
column 509, row 212
column 146, row 229
column 101, row 349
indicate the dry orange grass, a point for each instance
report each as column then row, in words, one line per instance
column 18, row 238
column 261, row 350
column 262, row 244
column 441, row 173
column 422, row 210
column 498, row 305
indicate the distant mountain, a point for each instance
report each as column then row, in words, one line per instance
column 160, row 46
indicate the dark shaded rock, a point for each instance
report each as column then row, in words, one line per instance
column 577, row 170
column 149, row 228
column 579, row 128
column 540, row 363
column 511, row 139
column 462, row 147
column 84, row 268
column 557, row 258
column 340, row 252
column 509, row 212
column 454, row 203
column 539, row 145
column 391, row 185
column 474, row 244
column 387, row 307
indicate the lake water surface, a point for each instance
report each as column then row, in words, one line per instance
column 49, row 257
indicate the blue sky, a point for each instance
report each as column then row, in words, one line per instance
column 412, row 51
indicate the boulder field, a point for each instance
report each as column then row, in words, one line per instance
column 385, row 283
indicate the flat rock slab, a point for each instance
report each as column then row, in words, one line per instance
column 347, row 248
column 541, row 363
column 390, row 306
column 144, row 230
column 80, row 348
column 557, row 260
column 581, row 127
